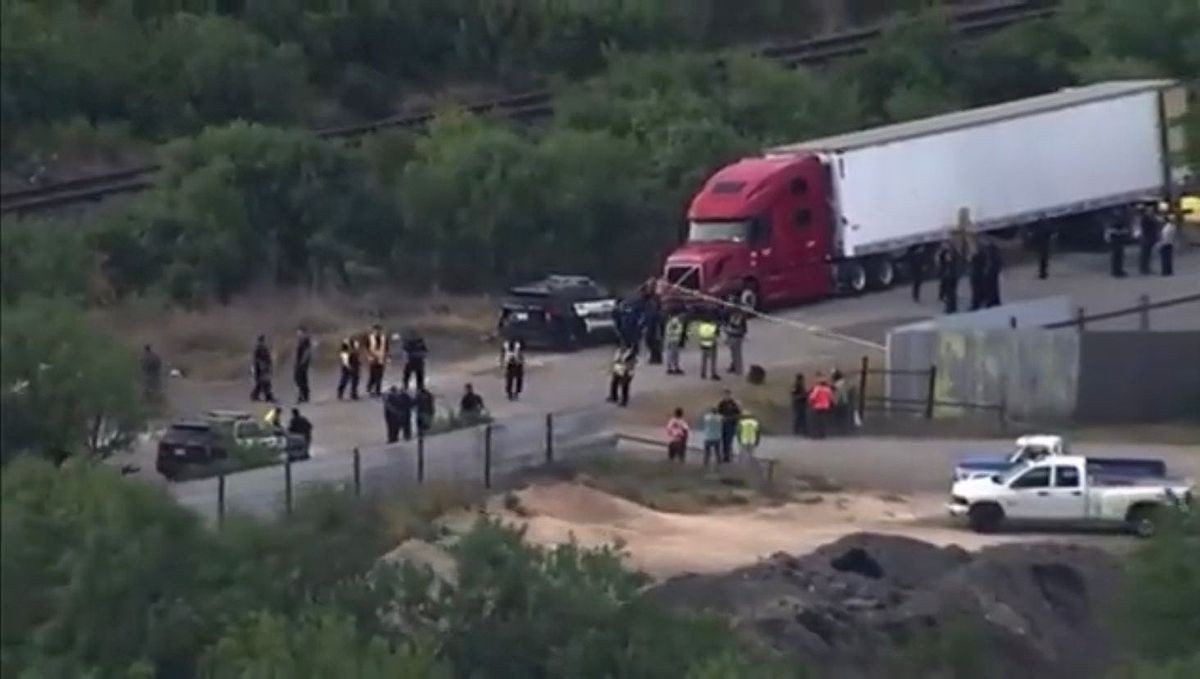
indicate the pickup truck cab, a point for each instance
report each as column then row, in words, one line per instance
column 201, row 447
column 1034, row 447
column 1064, row 490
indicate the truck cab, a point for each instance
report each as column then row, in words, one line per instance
column 1065, row 489
column 758, row 230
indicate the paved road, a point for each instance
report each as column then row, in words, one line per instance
column 564, row 381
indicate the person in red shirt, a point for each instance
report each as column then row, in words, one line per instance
column 820, row 401
column 677, row 436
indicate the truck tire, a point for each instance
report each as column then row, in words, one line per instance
column 856, row 279
column 883, row 273
column 985, row 517
column 750, row 297
column 1142, row 520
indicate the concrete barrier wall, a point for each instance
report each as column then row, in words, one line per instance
column 1132, row 376
column 517, row 444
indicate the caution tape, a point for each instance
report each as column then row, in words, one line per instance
column 804, row 327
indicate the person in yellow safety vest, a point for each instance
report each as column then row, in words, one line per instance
column 622, row 375
column 274, row 418
column 377, row 351
column 707, row 336
column 748, row 436
column 674, row 337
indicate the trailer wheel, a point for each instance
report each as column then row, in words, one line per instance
column 749, row 297
column 985, row 518
column 883, row 273
column 856, row 278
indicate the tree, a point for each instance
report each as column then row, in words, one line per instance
column 66, row 388
column 45, row 259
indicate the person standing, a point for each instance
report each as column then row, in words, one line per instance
column 977, row 276
column 735, row 337
column 677, row 437
column 652, row 324
column 392, row 416
column 749, row 435
column 948, row 273
column 623, row 365
column 1115, row 235
column 707, row 336
column 1166, row 247
column 349, row 362
column 674, row 339
column 730, row 411
column 261, row 367
column 512, row 362
column 712, row 436
column 302, row 364
column 916, row 270
column 799, row 406
column 425, row 411
column 151, row 375
column 1147, row 232
column 377, row 354
column 993, row 265
column 1043, row 235
column 820, row 401
column 415, row 352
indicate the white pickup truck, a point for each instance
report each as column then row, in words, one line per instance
column 1065, row 490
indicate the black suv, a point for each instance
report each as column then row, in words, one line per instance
column 191, row 449
column 560, row 312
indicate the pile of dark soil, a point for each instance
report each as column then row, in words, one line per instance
column 874, row 606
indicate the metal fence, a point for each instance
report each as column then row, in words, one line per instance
column 481, row 455
column 927, row 405
column 1142, row 309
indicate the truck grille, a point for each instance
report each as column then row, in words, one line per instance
column 687, row 277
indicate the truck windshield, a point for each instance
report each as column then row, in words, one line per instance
column 708, row 232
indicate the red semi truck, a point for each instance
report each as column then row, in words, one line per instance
column 833, row 215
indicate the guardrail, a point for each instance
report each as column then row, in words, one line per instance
column 524, row 107
column 476, row 456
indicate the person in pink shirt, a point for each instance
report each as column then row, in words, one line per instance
column 677, row 436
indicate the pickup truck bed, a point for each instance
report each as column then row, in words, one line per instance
column 1123, row 467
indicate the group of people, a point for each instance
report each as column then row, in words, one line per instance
column 825, row 407
column 981, row 260
column 1152, row 227
column 641, row 319
column 723, row 425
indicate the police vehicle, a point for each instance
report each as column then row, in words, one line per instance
column 560, row 312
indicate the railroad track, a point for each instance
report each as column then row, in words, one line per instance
column 524, row 107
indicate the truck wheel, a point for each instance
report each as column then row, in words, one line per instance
column 856, row 278
column 749, row 297
column 1143, row 520
column 985, row 518
column 883, row 273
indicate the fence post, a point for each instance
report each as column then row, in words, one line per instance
column 932, row 386
column 487, row 457
column 221, row 497
column 1080, row 318
column 1143, row 312
column 287, row 483
column 420, row 456
column 862, row 387
column 1012, row 322
column 357, row 473
column 549, row 438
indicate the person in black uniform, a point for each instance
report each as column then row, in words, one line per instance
column 425, row 410
column 261, row 369
column 303, row 362
column 1149, row 229
column 652, row 325
column 993, row 264
column 799, row 406
column 470, row 406
column 414, row 361
column 1116, row 234
column 916, row 270
column 1043, row 234
column 300, row 426
column 977, row 276
column 349, row 363
column 392, row 415
column 948, row 273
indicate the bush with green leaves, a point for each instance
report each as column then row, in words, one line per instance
column 307, row 597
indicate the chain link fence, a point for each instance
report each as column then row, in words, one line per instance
column 481, row 456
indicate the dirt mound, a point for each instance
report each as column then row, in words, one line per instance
column 865, row 605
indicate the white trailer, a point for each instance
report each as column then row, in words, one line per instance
column 1075, row 151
